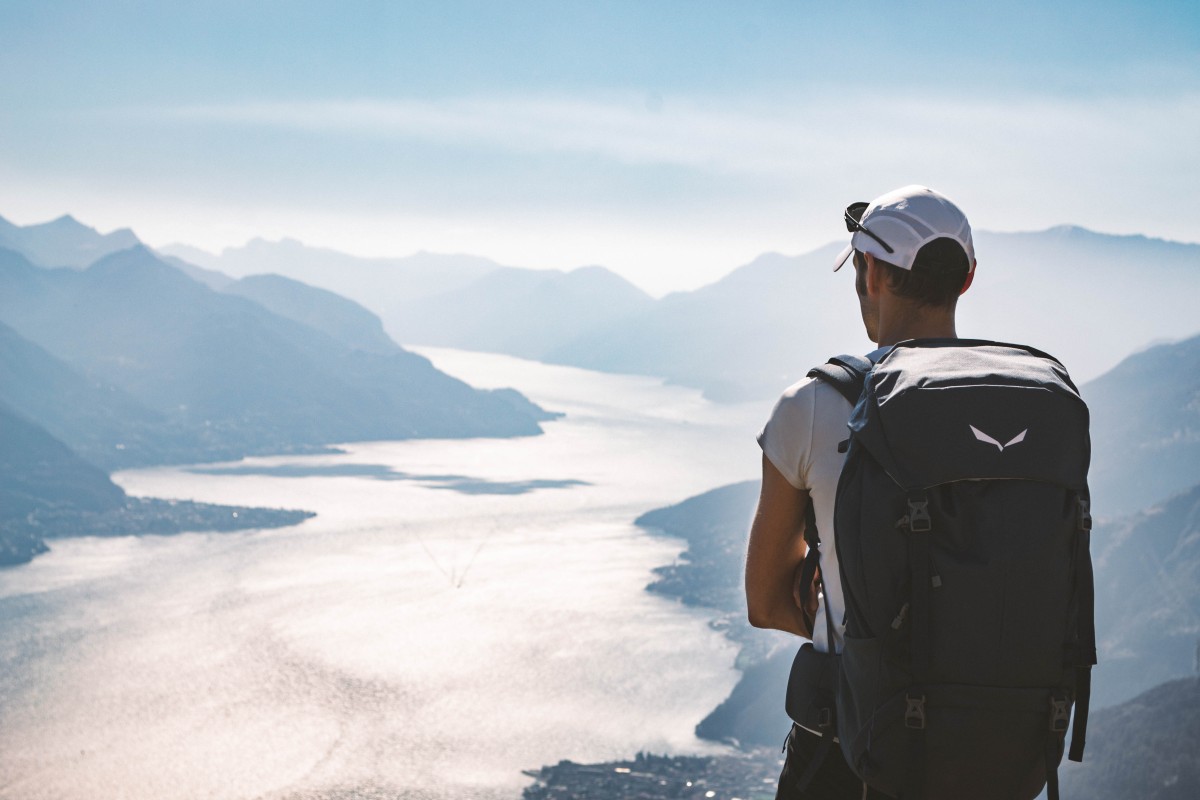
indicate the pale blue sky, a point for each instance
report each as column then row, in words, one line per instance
column 670, row 141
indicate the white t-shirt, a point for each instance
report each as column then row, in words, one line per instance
column 801, row 439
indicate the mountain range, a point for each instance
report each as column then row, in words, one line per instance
column 112, row 356
column 447, row 300
column 193, row 374
column 63, row 242
column 1078, row 294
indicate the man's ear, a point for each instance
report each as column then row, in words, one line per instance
column 970, row 278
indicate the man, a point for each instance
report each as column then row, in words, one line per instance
column 913, row 256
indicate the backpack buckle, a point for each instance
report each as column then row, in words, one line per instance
column 914, row 711
column 919, row 520
column 824, row 717
column 1085, row 515
column 1060, row 714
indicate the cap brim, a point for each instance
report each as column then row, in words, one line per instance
column 841, row 259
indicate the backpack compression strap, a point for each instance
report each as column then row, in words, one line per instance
column 847, row 374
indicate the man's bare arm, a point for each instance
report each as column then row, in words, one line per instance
column 775, row 552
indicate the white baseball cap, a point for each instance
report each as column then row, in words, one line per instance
column 895, row 226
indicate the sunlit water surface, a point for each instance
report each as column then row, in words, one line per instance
column 458, row 611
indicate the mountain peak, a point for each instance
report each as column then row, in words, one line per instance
column 66, row 224
column 136, row 259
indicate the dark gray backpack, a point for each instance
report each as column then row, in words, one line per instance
column 962, row 522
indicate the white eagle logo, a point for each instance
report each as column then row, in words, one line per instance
column 983, row 437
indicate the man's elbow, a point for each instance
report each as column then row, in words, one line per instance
column 758, row 612
column 758, row 619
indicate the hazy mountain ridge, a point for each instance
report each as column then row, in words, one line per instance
column 373, row 282
column 518, row 312
column 743, row 337
column 240, row 378
column 1078, row 294
column 459, row 301
column 63, row 242
column 209, row 277
column 342, row 319
column 98, row 420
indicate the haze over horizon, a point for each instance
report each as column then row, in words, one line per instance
column 668, row 142
column 212, row 256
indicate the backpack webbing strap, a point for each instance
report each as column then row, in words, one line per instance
column 808, row 570
column 845, row 373
column 918, row 523
column 914, row 722
column 1086, row 656
column 1060, row 718
column 1053, row 742
column 809, row 575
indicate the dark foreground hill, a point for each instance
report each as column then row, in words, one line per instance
column 1146, row 427
column 1146, row 748
column 1147, row 597
column 226, row 375
column 48, row 492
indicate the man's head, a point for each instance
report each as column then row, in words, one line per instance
column 913, row 256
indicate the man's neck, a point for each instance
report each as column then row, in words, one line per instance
column 915, row 323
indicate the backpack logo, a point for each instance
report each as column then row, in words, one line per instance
column 983, row 437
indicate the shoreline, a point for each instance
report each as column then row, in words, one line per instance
column 706, row 575
column 25, row 538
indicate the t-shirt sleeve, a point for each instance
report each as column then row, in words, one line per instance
column 786, row 439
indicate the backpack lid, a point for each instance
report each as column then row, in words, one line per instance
column 940, row 410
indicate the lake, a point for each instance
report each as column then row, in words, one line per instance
column 458, row 611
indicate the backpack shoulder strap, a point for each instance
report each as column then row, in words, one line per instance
column 847, row 374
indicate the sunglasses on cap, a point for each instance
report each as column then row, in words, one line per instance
column 853, row 215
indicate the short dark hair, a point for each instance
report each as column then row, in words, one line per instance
column 937, row 277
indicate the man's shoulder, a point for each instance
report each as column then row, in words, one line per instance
column 809, row 390
column 812, row 392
